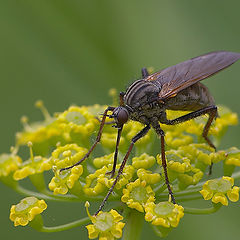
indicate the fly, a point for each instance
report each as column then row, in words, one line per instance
column 146, row 101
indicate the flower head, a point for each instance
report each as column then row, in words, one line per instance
column 148, row 176
column 26, row 210
column 174, row 139
column 94, row 183
column 137, row 194
column 78, row 122
column 67, row 155
column 36, row 164
column 125, row 177
column 233, row 157
column 165, row 214
column 63, row 181
column 103, row 161
column 9, row 163
column 191, row 177
column 175, row 161
column 143, row 161
column 41, row 134
column 106, row 225
column 217, row 189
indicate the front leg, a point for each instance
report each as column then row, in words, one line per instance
column 98, row 138
column 140, row 135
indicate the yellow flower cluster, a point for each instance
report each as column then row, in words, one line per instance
column 100, row 180
column 61, row 182
column 233, row 157
column 217, row 189
column 137, row 195
column 9, row 163
column 63, row 140
column 165, row 214
column 143, row 161
column 93, row 184
column 36, row 164
column 41, row 134
column 78, row 123
column 67, row 155
column 26, row 210
column 106, row 225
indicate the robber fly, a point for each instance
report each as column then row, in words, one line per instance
column 174, row 88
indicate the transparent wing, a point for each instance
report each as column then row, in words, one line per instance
column 173, row 79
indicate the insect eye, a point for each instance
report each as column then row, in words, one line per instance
column 122, row 116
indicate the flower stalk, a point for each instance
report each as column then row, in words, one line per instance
column 134, row 224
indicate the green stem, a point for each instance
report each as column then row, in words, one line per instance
column 47, row 195
column 133, row 226
column 43, row 195
column 236, row 175
column 39, row 227
column 197, row 211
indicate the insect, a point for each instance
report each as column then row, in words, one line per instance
column 146, row 101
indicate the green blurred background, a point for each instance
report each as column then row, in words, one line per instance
column 66, row 52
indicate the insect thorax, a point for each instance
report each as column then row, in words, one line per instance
column 142, row 98
column 140, row 93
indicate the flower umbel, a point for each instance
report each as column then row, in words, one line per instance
column 217, row 189
column 165, row 214
column 139, row 187
column 137, row 194
column 106, row 225
column 26, row 210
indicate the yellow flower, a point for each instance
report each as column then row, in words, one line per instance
column 124, row 179
column 174, row 139
column 201, row 153
column 143, row 161
column 103, row 161
column 106, row 225
column 137, row 194
column 65, row 156
column 175, row 161
column 164, row 214
column 233, row 157
column 36, row 164
column 132, row 128
column 191, row 177
column 63, row 181
column 227, row 118
column 26, row 210
column 40, row 133
column 94, row 184
column 108, row 140
column 217, row 189
column 78, row 120
column 148, row 176
column 9, row 163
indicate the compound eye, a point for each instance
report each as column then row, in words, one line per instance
column 122, row 116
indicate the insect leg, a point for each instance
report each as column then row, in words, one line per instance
column 145, row 73
column 96, row 141
column 116, row 153
column 161, row 134
column 211, row 111
column 141, row 134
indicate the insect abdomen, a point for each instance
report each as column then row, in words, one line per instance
column 192, row 98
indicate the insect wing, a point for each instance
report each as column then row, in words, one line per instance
column 173, row 79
